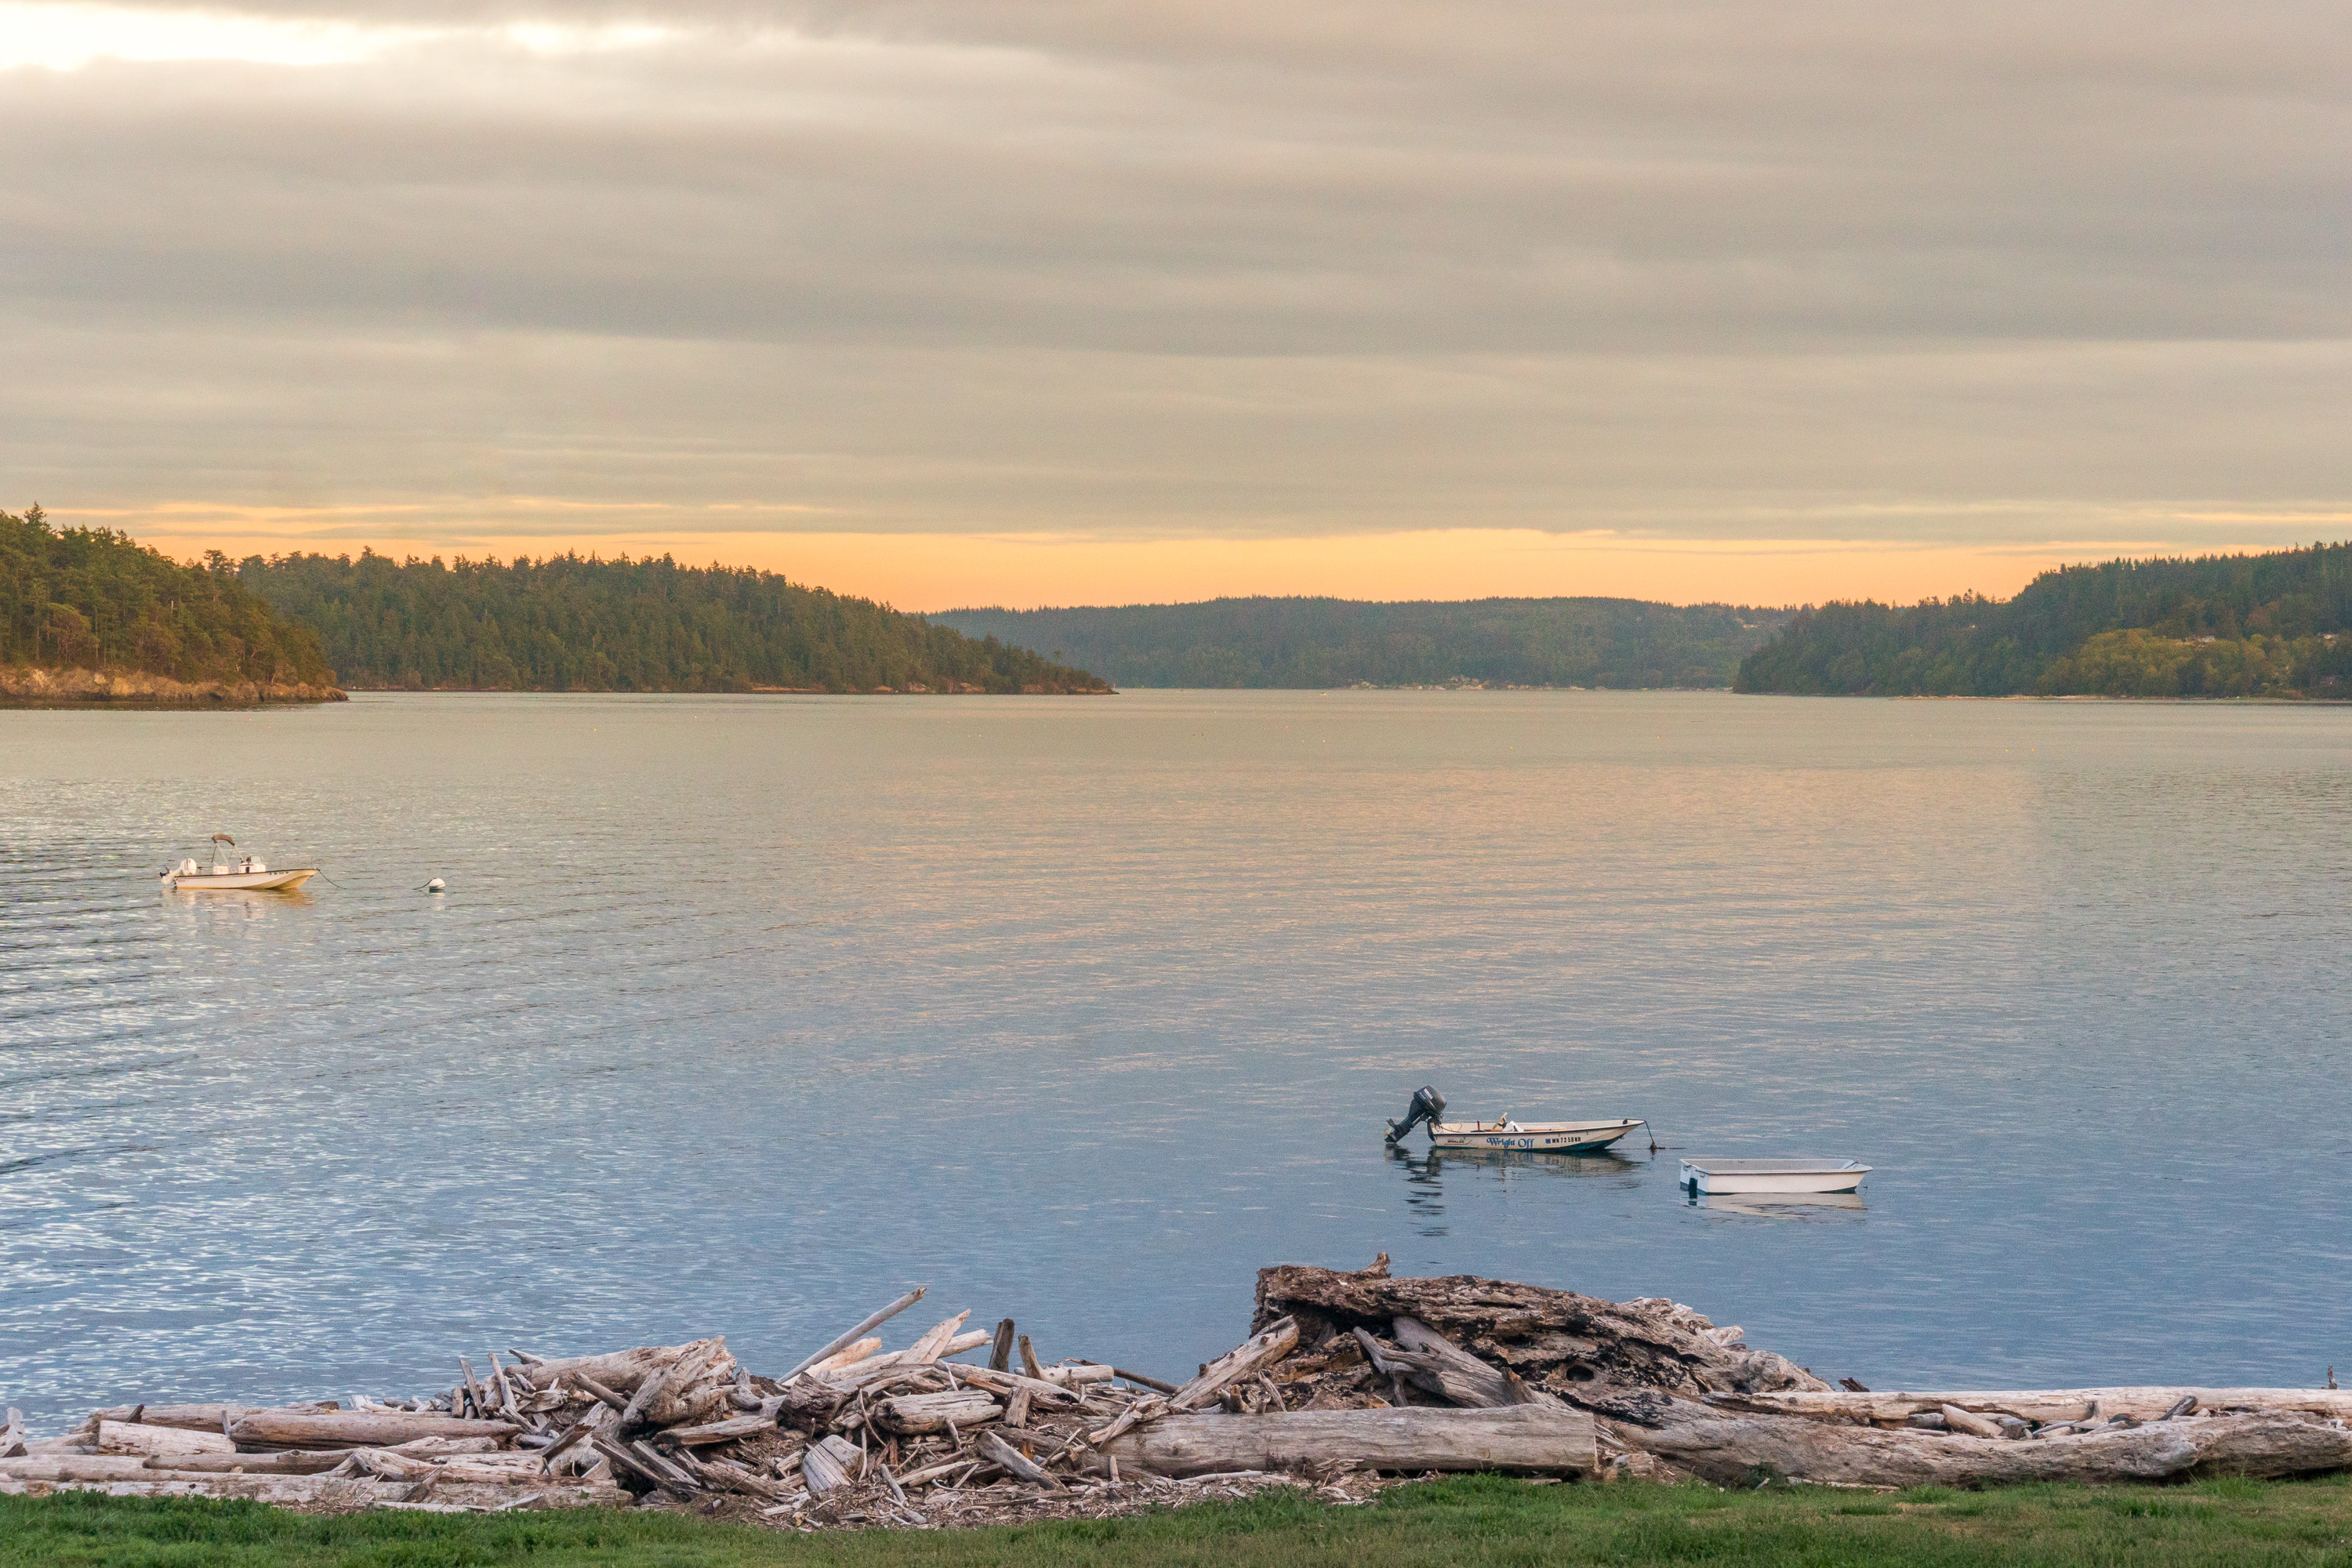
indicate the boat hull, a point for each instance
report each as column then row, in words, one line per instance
column 1549, row 1138
column 243, row 881
column 1797, row 1178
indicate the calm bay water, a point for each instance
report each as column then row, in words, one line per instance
column 742, row 1014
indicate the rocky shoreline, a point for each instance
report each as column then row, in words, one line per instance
column 24, row 686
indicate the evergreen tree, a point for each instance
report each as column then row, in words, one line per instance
column 90, row 598
column 572, row 624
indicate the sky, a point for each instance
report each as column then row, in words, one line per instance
column 1012, row 302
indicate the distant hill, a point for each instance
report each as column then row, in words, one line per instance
column 566, row 624
column 1311, row 643
column 2274, row 625
column 77, row 603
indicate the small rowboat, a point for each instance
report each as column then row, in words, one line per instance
column 223, row 876
column 1549, row 1137
column 1772, row 1175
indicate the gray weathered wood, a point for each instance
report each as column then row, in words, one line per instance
column 1526, row 1438
column 332, row 1491
column 826, row 1464
column 122, row 1437
column 75, row 1467
column 1969, row 1423
column 623, row 1371
column 1000, row 1354
column 1436, row 1364
column 1141, row 1381
column 1053, row 1396
column 1550, row 1338
column 911, row 1415
column 1003, row 1453
column 1261, row 1350
column 725, row 1431
column 195, row 1417
column 665, row 1398
column 2039, row 1406
column 873, row 1321
column 317, row 1490
column 1729, row 1447
column 267, row 1429
column 290, row 1462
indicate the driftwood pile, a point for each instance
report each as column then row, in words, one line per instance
column 851, row 1435
column 1347, row 1378
column 1674, row 1396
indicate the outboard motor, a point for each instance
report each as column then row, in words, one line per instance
column 1428, row 1105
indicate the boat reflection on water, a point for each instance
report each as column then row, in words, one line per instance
column 1778, row 1206
column 1507, row 1160
column 237, row 904
column 1425, row 1173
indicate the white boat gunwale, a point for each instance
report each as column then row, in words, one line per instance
column 283, row 880
column 1547, row 1137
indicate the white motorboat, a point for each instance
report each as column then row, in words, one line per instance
column 1547, row 1137
column 1773, row 1175
column 246, row 874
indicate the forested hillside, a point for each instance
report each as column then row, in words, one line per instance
column 1299, row 642
column 89, row 598
column 565, row 624
column 2219, row 626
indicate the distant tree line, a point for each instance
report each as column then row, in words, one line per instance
column 1311, row 642
column 2274, row 625
column 570, row 623
column 90, row 598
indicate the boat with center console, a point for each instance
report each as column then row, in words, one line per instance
column 246, row 873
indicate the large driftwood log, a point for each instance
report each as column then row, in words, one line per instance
column 916, row 1412
column 337, row 1490
column 76, row 1468
column 334, row 1491
column 1555, row 1340
column 139, row 1467
column 1730, row 1449
column 2041, row 1405
column 1539, row 1439
column 623, row 1371
column 195, row 1417
column 122, row 1437
column 725, row 1431
column 688, row 1390
column 290, row 1462
column 267, row 1430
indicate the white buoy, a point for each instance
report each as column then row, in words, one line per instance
column 435, row 885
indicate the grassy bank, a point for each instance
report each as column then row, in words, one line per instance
column 1481, row 1521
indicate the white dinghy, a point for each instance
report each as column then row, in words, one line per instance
column 1773, row 1175
column 224, row 875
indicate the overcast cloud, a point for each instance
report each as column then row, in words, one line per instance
column 2024, row 276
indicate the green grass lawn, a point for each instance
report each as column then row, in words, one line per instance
column 1475, row 1521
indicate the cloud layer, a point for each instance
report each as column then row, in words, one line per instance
column 1992, row 274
